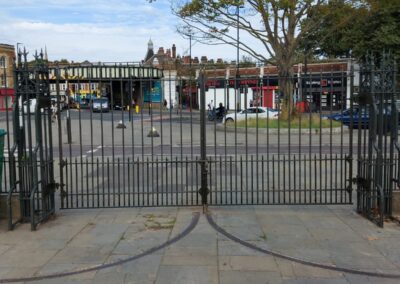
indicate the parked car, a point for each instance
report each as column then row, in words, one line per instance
column 32, row 106
column 62, row 99
column 101, row 105
column 117, row 106
column 359, row 117
column 252, row 112
column 29, row 105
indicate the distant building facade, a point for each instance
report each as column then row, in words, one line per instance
column 324, row 86
column 7, row 57
column 321, row 86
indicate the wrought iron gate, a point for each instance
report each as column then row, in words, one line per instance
column 129, row 135
column 31, row 168
column 166, row 148
column 378, row 169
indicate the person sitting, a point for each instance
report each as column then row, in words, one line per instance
column 220, row 111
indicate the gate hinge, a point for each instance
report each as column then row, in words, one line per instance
column 44, row 101
column 364, row 98
column 397, row 182
column 204, row 191
column 50, row 188
column 63, row 163
column 363, row 182
column 63, row 193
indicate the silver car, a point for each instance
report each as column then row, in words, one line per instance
column 101, row 105
column 252, row 112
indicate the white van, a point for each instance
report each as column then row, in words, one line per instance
column 63, row 100
column 28, row 105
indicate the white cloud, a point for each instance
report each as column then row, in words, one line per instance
column 97, row 30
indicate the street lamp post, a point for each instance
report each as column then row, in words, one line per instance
column 237, row 83
column 190, row 70
column 237, row 37
column 3, row 81
column 18, row 43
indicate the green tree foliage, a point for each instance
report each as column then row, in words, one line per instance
column 274, row 24
column 247, row 61
column 354, row 28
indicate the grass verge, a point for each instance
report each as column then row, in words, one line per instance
column 304, row 122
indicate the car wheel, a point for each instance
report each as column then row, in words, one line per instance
column 229, row 120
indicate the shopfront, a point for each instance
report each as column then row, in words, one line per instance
column 6, row 98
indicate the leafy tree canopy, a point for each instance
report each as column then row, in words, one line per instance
column 270, row 30
column 354, row 28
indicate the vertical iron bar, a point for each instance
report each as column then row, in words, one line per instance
column 203, row 140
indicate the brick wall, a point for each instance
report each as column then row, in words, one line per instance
column 7, row 51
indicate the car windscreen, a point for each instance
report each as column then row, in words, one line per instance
column 100, row 101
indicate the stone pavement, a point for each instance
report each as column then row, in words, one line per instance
column 78, row 239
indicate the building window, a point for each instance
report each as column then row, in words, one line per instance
column 2, row 62
column 3, row 81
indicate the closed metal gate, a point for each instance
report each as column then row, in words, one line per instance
column 378, row 172
column 158, row 141
column 29, row 183
column 129, row 135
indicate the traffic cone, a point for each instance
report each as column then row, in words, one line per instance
column 121, row 124
column 153, row 132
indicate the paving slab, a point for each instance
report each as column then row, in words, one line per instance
column 77, row 239
column 317, row 281
column 143, row 270
column 54, row 268
column 187, row 274
column 247, row 263
column 240, row 277
column 229, row 248
column 359, row 279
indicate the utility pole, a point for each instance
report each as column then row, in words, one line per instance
column 190, row 70
column 18, row 43
column 237, row 84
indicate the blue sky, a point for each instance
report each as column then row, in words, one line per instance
column 96, row 30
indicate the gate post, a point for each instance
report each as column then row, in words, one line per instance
column 203, row 141
column 376, row 165
column 34, row 180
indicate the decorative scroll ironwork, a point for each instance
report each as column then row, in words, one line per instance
column 31, row 157
column 378, row 146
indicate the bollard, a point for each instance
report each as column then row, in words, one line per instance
column 68, row 129
column 2, row 137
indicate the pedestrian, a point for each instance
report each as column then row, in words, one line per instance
column 53, row 112
column 220, row 111
column 165, row 104
column 211, row 105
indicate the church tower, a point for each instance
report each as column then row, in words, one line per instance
column 150, row 51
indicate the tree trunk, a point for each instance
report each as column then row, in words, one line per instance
column 286, row 92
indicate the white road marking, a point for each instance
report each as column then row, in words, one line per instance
column 95, row 150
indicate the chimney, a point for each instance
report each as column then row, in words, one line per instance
column 186, row 59
column 160, row 50
column 168, row 52
column 173, row 51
